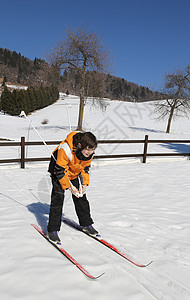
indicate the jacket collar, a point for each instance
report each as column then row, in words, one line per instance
column 80, row 156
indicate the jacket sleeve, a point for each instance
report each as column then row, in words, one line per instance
column 85, row 173
column 61, row 169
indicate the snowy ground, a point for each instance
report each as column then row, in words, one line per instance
column 141, row 208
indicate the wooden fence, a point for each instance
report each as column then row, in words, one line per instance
column 23, row 159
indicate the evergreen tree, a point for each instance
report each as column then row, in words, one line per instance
column 27, row 100
column 14, row 59
column 4, row 80
column 42, row 101
column 143, row 94
column 14, row 103
column 18, row 101
column 6, row 100
column 31, row 99
column 36, row 64
column 23, row 101
column 37, row 95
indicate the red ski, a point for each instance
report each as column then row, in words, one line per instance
column 105, row 243
column 67, row 255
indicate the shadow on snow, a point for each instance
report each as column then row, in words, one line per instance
column 177, row 147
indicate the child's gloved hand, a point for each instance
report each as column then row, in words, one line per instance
column 74, row 191
column 84, row 189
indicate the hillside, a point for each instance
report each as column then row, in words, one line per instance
column 120, row 120
column 17, row 69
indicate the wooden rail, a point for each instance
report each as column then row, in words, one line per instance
column 22, row 160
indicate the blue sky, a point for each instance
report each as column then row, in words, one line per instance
column 147, row 38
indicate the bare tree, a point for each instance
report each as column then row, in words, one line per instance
column 95, row 88
column 81, row 50
column 177, row 89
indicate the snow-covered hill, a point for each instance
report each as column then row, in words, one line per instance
column 141, row 208
column 121, row 120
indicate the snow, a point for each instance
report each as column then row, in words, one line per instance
column 19, row 87
column 143, row 209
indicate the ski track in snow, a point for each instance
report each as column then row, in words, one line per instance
column 146, row 284
column 115, row 268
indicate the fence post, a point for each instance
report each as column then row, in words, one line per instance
column 145, row 148
column 22, row 152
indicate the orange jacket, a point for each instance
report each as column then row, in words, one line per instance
column 68, row 166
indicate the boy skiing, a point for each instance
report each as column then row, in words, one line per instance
column 69, row 168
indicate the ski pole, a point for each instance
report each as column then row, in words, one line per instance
column 22, row 114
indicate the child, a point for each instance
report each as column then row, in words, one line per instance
column 69, row 168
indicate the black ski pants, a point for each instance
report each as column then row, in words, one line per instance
column 81, row 204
